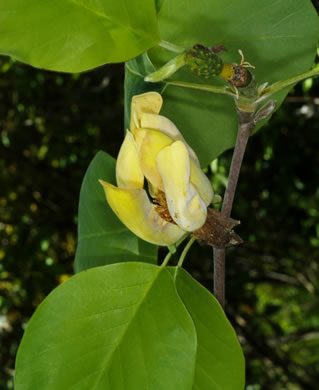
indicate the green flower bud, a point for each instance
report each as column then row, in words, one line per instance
column 204, row 61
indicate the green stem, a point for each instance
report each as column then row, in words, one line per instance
column 171, row 47
column 166, row 70
column 171, row 252
column 167, row 258
column 185, row 250
column 178, row 243
column 202, row 87
column 280, row 85
column 265, row 93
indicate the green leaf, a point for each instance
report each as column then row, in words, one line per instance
column 76, row 35
column 135, row 71
column 116, row 327
column 102, row 238
column 220, row 363
column 158, row 4
column 279, row 38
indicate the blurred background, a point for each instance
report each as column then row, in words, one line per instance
column 52, row 125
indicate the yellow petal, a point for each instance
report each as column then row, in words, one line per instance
column 166, row 126
column 161, row 123
column 184, row 203
column 139, row 137
column 153, row 191
column 146, row 102
column 153, row 141
column 137, row 213
column 128, row 169
column 201, row 183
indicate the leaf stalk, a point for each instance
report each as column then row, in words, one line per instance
column 185, row 250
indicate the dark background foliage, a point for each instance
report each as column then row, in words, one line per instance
column 51, row 126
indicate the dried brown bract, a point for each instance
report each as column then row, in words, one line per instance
column 218, row 230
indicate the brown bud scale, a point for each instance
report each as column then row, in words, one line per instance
column 218, row 230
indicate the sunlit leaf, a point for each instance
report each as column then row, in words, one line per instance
column 115, row 327
column 76, row 35
column 219, row 361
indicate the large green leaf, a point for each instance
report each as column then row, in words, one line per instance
column 102, row 238
column 220, row 363
column 278, row 37
column 116, row 327
column 76, row 35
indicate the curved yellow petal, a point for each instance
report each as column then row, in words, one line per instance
column 139, row 137
column 166, row 126
column 201, row 183
column 153, row 142
column 128, row 169
column 153, row 191
column 161, row 123
column 184, row 203
column 146, row 102
column 134, row 209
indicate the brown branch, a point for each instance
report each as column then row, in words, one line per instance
column 246, row 122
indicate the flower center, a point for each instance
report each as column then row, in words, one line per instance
column 161, row 207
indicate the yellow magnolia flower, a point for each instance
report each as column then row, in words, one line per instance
column 179, row 191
